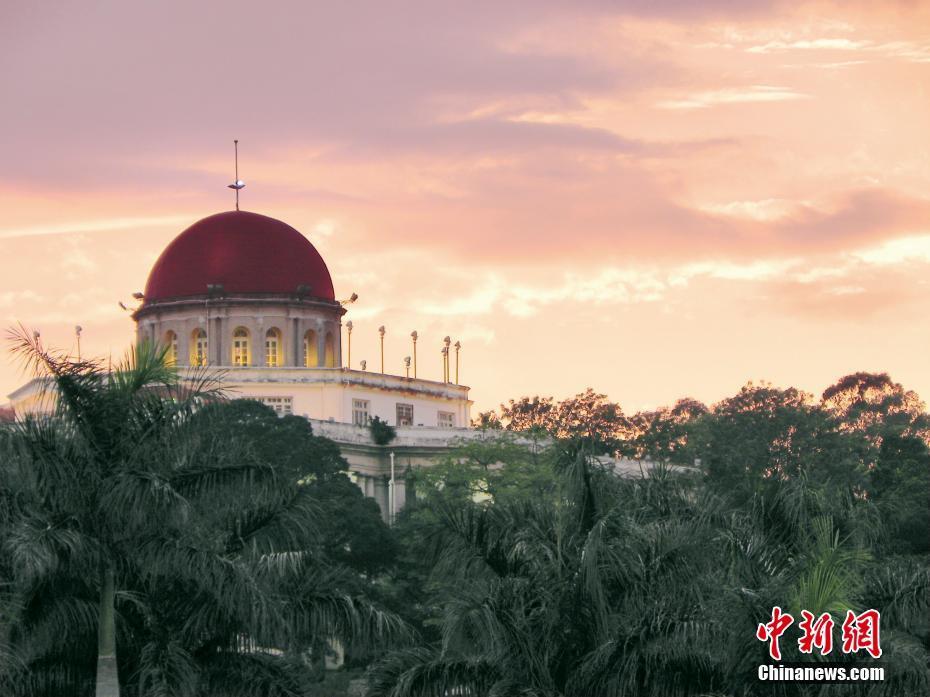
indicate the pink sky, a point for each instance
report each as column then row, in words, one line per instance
column 654, row 199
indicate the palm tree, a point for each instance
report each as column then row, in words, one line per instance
column 650, row 586
column 805, row 545
column 192, row 560
column 597, row 591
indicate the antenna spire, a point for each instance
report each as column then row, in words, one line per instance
column 238, row 184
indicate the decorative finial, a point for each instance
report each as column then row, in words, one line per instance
column 238, row 184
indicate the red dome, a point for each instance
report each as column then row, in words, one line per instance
column 245, row 253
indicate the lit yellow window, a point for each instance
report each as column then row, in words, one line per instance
column 240, row 347
column 199, row 348
column 330, row 347
column 310, row 350
column 273, row 357
column 171, row 343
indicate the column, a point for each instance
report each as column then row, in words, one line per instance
column 400, row 491
column 222, row 335
column 215, row 346
column 184, row 343
column 380, row 495
column 297, row 344
column 320, row 345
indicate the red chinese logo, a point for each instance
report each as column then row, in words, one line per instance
column 860, row 632
column 774, row 629
column 817, row 633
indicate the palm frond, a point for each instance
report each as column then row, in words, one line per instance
column 166, row 669
column 424, row 673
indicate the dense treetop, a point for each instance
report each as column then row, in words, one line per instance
column 160, row 540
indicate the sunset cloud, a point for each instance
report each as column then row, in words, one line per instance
column 651, row 198
column 838, row 44
column 734, row 95
column 99, row 225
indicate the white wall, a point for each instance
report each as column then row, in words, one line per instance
column 327, row 394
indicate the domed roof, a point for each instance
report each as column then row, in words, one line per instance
column 245, row 253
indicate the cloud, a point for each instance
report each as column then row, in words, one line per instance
column 325, row 227
column 756, row 270
column 15, row 297
column 99, row 225
column 908, row 51
column 874, row 293
column 858, row 217
column 821, row 44
column 763, row 210
column 837, row 65
column 609, row 286
column 481, row 301
column 500, row 169
column 915, row 248
column 733, row 95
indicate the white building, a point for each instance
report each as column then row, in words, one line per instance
column 251, row 295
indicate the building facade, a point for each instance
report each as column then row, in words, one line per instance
column 251, row 296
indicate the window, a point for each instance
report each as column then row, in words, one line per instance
column 199, row 348
column 171, row 343
column 240, row 347
column 446, row 419
column 310, row 350
column 273, row 357
column 404, row 414
column 330, row 348
column 360, row 408
column 283, row 406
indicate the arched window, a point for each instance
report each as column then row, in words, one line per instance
column 199, row 348
column 273, row 354
column 240, row 347
column 171, row 343
column 311, row 355
column 330, row 348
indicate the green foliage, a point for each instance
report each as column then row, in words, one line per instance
column 239, row 546
column 876, row 406
column 588, row 417
column 900, row 486
column 287, row 442
column 536, row 572
column 214, row 520
column 487, row 420
column 566, row 594
column 663, row 435
column 764, row 434
column 476, row 470
column 382, row 432
column 348, row 525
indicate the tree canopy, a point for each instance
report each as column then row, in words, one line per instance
column 161, row 541
column 542, row 572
